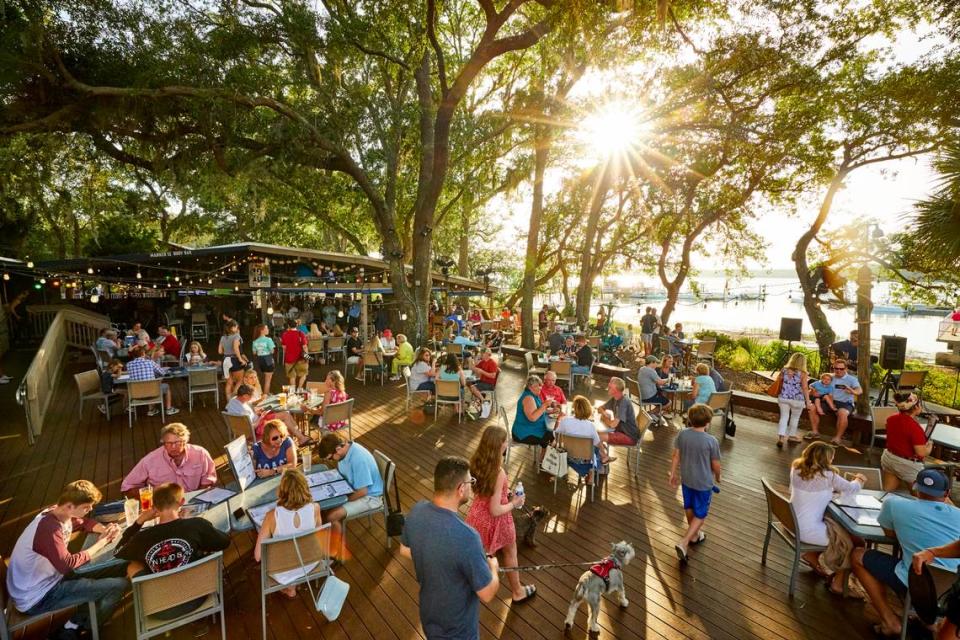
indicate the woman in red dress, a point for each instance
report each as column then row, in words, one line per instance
column 493, row 519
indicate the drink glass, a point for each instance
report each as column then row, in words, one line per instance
column 308, row 461
column 282, row 398
column 146, row 498
column 131, row 510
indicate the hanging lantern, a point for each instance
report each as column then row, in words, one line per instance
column 186, row 304
column 29, row 264
column 90, row 270
column 139, row 276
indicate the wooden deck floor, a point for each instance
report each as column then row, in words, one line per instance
column 723, row 593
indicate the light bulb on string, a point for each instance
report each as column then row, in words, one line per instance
column 236, row 288
column 403, row 317
column 94, row 299
column 139, row 275
column 29, row 264
column 176, row 278
column 187, row 305
column 43, row 281
column 90, row 270
column 6, row 276
column 269, row 311
column 340, row 313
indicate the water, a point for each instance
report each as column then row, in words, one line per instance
column 783, row 299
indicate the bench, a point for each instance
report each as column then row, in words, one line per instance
column 858, row 429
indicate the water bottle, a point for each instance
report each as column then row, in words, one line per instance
column 518, row 491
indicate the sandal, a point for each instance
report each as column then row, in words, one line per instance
column 817, row 569
column 530, row 590
column 810, row 435
column 794, row 440
column 779, row 444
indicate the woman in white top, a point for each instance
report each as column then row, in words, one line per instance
column 580, row 425
column 296, row 512
column 813, row 481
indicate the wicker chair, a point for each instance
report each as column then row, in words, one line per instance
column 159, row 592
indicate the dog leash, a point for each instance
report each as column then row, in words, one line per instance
column 539, row 567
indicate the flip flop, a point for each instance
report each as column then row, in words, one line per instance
column 530, row 590
column 811, row 436
column 794, row 440
column 816, row 568
column 702, row 538
column 681, row 553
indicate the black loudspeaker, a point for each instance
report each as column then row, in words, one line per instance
column 893, row 352
column 790, row 329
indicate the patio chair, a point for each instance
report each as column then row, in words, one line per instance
column 373, row 364
column 15, row 624
column 454, row 348
column 580, row 448
column 388, row 475
column 315, row 346
column 339, row 412
column 943, row 579
column 202, row 381
column 101, row 358
column 910, row 381
column 449, row 392
column 532, row 368
column 505, row 422
column 874, row 477
column 720, row 401
column 663, row 346
column 334, row 347
column 239, row 426
column 320, row 388
column 644, row 420
column 586, row 376
column 564, row 371
column 289, row 553
column 143, row 393
column 88, row 386
column 878, row 426
column 705, row 350
column 782, row 519
column 633, row 390
column 159, row 592
column 411, row 393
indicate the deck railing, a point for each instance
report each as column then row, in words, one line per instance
column 65, row 326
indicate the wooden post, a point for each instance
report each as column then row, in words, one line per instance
column 363, row 317
column 864, row 310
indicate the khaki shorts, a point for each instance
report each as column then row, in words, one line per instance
column 298, row 368
column 363, row 505
column 904, row 469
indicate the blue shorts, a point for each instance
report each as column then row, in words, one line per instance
column 843, row 405
column 882, row 566
column 696, row 500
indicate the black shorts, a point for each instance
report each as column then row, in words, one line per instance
column 266, row 364
column 543, row 441
column 235, row 364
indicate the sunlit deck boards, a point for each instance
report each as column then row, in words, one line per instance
column 723, row 593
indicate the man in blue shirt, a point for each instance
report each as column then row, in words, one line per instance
column 359, row 468
column 451, row 566
column 847, row 389
column 917, row 525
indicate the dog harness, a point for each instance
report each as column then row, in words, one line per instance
column 603, row 568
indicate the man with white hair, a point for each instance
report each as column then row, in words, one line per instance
column 175, row 460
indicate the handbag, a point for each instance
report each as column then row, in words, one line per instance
column 395, row 517
column 555, row 461
column 332, row 594
column 485, row 409
column 776, row 386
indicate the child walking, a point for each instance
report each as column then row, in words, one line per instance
column 697, row 455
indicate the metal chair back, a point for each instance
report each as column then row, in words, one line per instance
column 143, row 393
column 878, row 425
column 88, row 382
column 448, row 392
column 238, row 426
column 911, row 380
column 159, row 592
column 454, row 348
column 706, row 348
column 340, row 412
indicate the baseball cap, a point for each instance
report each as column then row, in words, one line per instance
column 652, row 360
column 931, row 482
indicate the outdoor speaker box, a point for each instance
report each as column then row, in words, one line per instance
column 790, row 329
column 893, row 352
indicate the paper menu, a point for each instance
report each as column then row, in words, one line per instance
column 330, row 490
column 859, row 500
column 215, row 495
column 259, row 512
column 241, row 461
column 323, row 477
column 866, row 517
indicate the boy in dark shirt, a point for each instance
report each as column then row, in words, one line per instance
column 173, row 542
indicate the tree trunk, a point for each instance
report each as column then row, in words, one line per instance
column 818, row 319
column 540, row 154
column 587, row 267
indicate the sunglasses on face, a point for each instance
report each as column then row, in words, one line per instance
column 276, row 438
column 472, row 481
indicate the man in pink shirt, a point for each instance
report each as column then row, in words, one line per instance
column 176, row 460
column 41, row 576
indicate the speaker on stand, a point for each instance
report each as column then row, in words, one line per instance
column 790, row 330
column 893, row 355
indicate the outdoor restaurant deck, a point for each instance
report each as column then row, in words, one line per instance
column 723, row 593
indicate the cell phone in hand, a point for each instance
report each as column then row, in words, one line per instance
column 841, row 386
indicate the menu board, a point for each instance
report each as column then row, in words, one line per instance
column 241, row 462
column 259, row 512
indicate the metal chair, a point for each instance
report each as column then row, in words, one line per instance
column 943, row 579
column 454, row 348
column 564, row 371
column 334, row 347
column 633, row 390
column 873, row 475
column 782, row 519
column 202, row 381
column 878, row 426
column 289, row 553
column 449, row 392
column 198, row 327
column 513, row 442
column 239, row 426
column 387, row 470
column 644, row 420
column 339, row 412
column 143, row 393
column 373, row 363
column 12, row 621
column 159, row 592
column 411, row 393
column 663, row 346
column 580, row 448
column 88, row 386
column 532, row 368
column 319, row 388
column 705, row 350
column 910, row 381
column 316, row 346
column 720, row 401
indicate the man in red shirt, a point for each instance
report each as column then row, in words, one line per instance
column 550, row 390
column 294, row 349
column 170, row 343
column 487, row 371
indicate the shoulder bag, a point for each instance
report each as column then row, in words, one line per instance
column 777, row 385
column 395, row 517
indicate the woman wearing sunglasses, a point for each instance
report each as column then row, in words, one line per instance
column 275, row 452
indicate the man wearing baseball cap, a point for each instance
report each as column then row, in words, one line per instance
column 918, row 524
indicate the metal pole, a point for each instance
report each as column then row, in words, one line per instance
column 363, row 317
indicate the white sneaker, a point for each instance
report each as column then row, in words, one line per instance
column 153, row 412
column 172, row 411
column 102, row 409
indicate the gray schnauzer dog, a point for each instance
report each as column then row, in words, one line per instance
column 528, row 522
column 604, row 577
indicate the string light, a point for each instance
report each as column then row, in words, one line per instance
column 90, row 270
column 187, row 305
column 94, row 299
column 43, row 281
column 269, row 311
column 6, row 276
column 139, row 275
column 29, row 264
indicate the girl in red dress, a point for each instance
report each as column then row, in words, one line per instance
column 493, row 519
